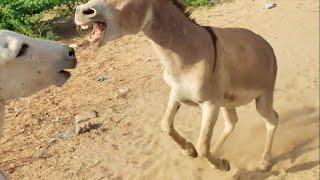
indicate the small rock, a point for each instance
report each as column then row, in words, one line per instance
column 147, row 60
column 116, row 147
column 74, row 45
column 102, row 78
column 17, row 111
column 85, row 116
column 125, row 134
column 64, row 136
column 80, row 43
column 96, row 162
column 111, row 68
column 269, row 5
column 128, row 124
column 123, row 92
column 87, row 127
column 82, row 122
column 45, row 155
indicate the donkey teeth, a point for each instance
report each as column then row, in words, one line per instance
column 84, row 26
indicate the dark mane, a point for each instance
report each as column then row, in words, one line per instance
column 180, row 5
column 183, row 8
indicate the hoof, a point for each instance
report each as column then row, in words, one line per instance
column 189, row 150
column 219, row 163
column 224, row 165
column 264, row 166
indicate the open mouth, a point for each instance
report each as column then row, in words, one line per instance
column 62, row 74
column 65, row 73
column 63, row 78
column 72, row 64
column 98, row 31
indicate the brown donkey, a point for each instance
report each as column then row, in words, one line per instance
column 214, row 68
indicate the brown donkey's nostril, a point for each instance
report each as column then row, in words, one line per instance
column 71, row 52
column 89, row 11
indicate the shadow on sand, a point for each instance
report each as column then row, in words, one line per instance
column 305, row 116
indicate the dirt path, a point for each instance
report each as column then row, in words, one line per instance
column 129, row 144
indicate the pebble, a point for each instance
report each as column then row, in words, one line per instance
column 82, row 121
column 64, row 136
column 123, row 92
column 269, row 5
column 102, row 78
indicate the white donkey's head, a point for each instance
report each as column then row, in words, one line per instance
column 29, row 65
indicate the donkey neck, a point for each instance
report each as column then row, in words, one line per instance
column 175, row 36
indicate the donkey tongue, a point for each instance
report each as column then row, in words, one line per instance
column 96, row 34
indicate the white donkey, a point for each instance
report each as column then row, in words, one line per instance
column 28, row 65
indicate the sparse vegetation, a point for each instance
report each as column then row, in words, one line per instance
column 27, row 16
column 196, row 3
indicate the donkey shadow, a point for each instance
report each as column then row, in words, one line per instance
column 304, row 116
column 256, row 174
column 295, row 152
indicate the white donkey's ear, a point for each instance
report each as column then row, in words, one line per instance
column 6, row 55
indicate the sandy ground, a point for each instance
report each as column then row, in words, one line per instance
column 40, row 143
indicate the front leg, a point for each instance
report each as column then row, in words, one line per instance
column 167, row 126
column 210, row 114
column 1, row 118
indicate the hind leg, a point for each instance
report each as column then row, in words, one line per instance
column 264, row 106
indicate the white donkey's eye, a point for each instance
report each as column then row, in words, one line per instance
column 23, row 50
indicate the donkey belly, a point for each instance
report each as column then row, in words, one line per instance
column 237, row 98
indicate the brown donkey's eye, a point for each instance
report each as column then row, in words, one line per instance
column 23, row 50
